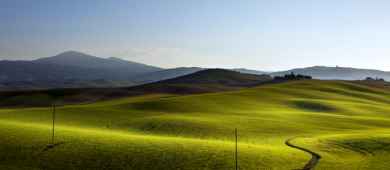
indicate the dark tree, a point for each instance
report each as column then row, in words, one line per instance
column 293, row 76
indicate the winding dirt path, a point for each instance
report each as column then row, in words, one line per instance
column 315, row 158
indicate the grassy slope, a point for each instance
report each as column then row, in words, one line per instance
column 346, row 123
column 205, row 81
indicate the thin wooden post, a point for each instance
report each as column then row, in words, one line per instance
column 236, row 153
column 53, row 127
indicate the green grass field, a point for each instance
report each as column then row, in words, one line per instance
column 347, row 124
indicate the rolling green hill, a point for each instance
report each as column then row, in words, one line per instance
column 220, row 76
column 348, row 124
column 204, row 81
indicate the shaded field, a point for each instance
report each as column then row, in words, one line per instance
column 346, row 123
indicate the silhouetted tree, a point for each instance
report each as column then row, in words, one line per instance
column 293, row 76
column 374, row 79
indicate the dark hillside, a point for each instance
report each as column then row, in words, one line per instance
column 221, row 77
column 212, row 80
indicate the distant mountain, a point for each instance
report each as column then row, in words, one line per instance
column 115, row 68
column 337, row 73
column 70, row 69
column 26, row 72
column 74, row 69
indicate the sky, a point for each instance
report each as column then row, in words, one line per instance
column 255, row 34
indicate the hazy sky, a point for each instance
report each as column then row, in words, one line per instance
column 256, row 34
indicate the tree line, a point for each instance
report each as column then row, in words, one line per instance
column 293, row 76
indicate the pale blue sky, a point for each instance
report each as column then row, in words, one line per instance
column 255, row 34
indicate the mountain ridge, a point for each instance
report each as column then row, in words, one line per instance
column 337, row 73
column 70, row 69
column 73, row 69
column 74, row 58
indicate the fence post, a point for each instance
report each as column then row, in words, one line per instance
column 53, row 127
column 236, row 153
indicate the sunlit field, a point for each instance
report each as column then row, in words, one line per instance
column 346, row 123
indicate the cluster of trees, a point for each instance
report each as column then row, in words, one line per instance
column 374, row 79
column 293, row 76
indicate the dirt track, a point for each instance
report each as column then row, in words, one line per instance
column 315, row 158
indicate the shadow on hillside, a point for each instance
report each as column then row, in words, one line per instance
column 313, row 106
